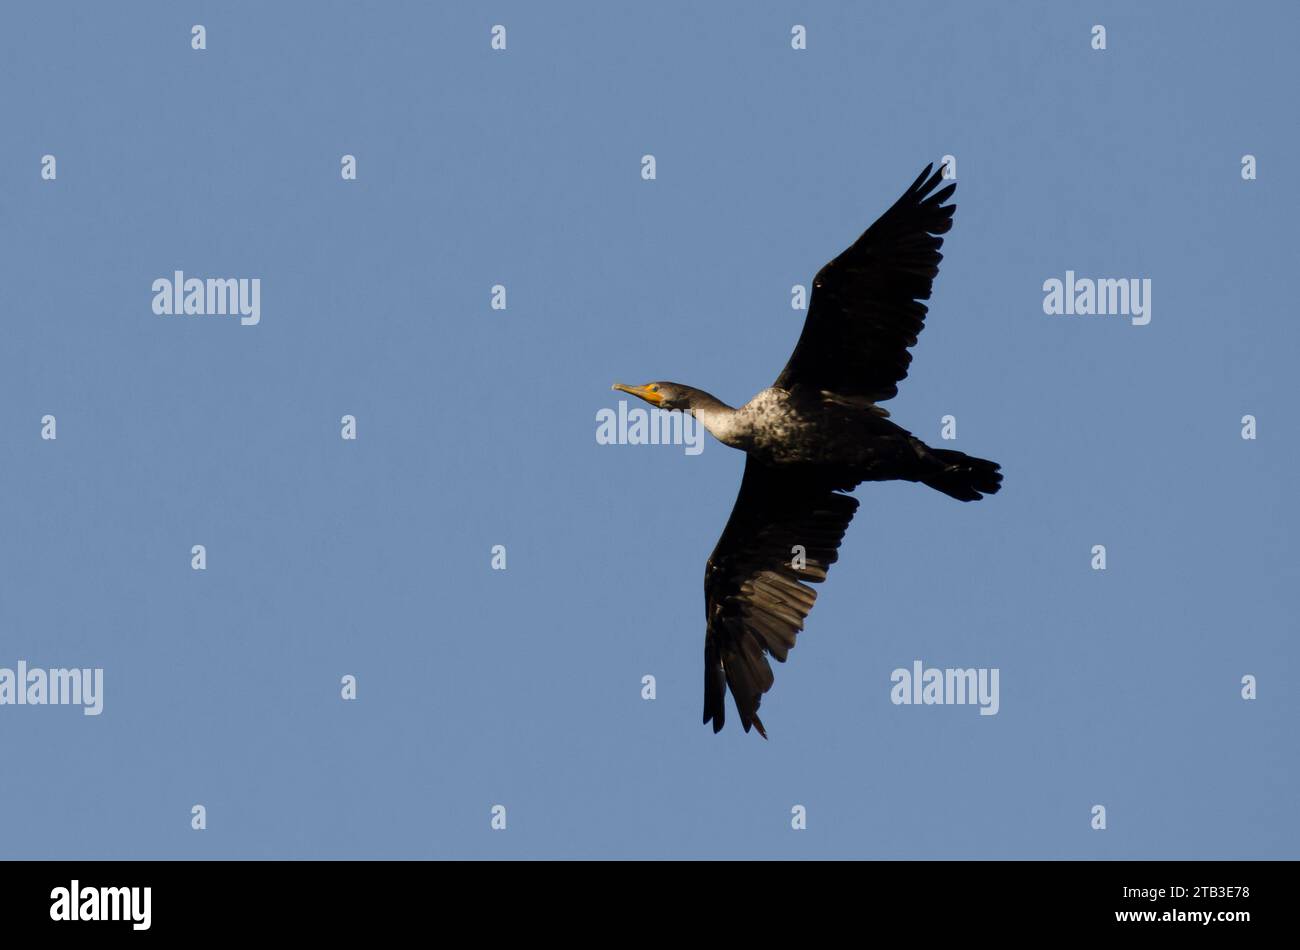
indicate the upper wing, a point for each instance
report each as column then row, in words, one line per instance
column 864, row 312
column 755, row 596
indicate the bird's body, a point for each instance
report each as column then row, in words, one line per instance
column 795, row 428
column 813, row 435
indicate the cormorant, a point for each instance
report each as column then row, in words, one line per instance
column 814, row 434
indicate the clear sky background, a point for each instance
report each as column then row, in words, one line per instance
column 477, row 427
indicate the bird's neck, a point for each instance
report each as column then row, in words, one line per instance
column 721, row 421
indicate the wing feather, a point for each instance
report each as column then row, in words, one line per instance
column 866, row 310
column 756, row 593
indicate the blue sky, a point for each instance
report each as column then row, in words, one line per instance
column 476, row 427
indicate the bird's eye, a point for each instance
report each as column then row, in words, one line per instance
column 654, row 389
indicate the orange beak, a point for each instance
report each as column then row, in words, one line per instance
column 641, row 392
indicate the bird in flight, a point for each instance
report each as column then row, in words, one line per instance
column 814, row 434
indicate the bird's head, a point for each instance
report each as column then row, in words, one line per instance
column 662, row 395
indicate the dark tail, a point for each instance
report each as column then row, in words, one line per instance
column 963, row 476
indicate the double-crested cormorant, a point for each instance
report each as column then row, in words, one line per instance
column 815, row 434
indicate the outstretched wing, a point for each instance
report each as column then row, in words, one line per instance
column 756, row 592
column 865, row 311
